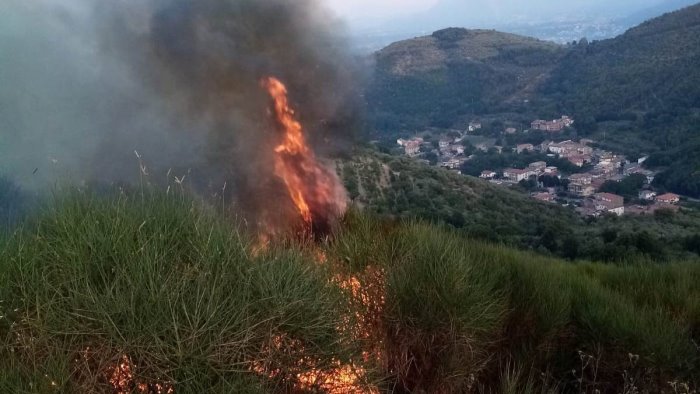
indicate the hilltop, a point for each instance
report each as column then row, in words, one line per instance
column 435, row 79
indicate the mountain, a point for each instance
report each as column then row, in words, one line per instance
column 642, row 90
column 639, row 92
column 437, row 78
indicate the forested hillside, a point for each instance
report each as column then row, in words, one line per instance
column 638, row 93
column 643, row 90
column 401, row 188
column 453, row 73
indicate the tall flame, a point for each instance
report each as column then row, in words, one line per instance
column 316, row 192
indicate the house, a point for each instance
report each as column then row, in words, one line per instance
column 552, row 125
column 581, row 190
column 546, row 197
column 577, row 160
column 668, row 198
column 538, row 166
column 444, row 144
column 610, row 203
column 452, row 164
column 525, row 148
column 516, row 175
column 412, row 148
column 544, row 147
column 648, row 195
column 403, row 142
column 581, row 179
column 511, row 130
column 569, row 148
column 552, row 171
column 487, row 174
column 457, row 149
column 474, row 126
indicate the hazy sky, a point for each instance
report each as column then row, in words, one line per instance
column 353, row 9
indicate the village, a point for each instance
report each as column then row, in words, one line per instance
column 583, row 189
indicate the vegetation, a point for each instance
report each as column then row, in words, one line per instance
column 452, row 74
column 638, row 94
column 402, row 188
column 177, row 290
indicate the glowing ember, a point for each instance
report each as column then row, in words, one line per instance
column 316, row 191
column 122, row 379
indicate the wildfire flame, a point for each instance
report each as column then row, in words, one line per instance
column 316, row 191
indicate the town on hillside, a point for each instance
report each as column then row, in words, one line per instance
column 573, row 173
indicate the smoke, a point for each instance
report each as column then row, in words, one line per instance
column 85, row 84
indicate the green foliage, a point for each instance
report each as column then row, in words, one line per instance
column 496, row 214
column 484, row 308
column 161, row 280
column 175, row 287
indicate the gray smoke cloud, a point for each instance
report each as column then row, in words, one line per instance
column 84, row 84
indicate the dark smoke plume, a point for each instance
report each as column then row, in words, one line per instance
column 85, row 85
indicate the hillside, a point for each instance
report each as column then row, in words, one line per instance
column 133, row 294
column 454, row 72
column 398, row 187
column 643, row 90
column 638, row 93
column 651, row 69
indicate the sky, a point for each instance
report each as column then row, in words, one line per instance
column 355, row 9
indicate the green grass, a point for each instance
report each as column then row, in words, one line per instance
column 174, row 286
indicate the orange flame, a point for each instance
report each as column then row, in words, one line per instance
column 316, row 192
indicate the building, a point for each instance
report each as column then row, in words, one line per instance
column 668, row 198
column 452, row 164
column 552, row 171
column 610, row 203
column 412, row 148
column 539, row 166
column 577, row 160
column 581, row 179
column 517, row 175
column 444, row 144
column 511, row 130
column 546, row 197
column 525, row 148
column 487, row 174
column 456, row 149
column 569, row 148
column 647, row 195
column 581, row 190
column 555, row 125
column 474, row 126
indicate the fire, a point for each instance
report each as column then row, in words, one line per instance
column 316, row 191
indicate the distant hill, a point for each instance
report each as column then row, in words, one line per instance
column 651, row 68
column 639, row 92
column 437, row 78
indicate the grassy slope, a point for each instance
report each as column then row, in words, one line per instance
column 164, row 281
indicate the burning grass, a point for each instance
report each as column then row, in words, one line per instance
column 163, row 291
